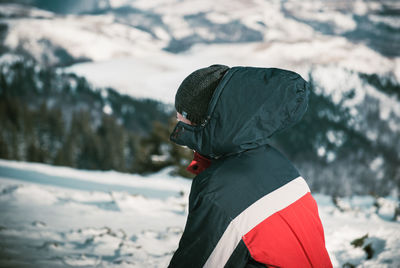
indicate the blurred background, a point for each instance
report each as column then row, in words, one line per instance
column 90, row 85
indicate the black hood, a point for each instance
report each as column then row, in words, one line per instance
column 248, row 106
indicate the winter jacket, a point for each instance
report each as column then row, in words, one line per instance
column 251, row 207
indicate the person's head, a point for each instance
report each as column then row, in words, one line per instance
column 195, row 92
column 252, row 105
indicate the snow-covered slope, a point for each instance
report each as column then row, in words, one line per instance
column 58, row 217
column 130, row 42
column 90, row 37
column 147, row 76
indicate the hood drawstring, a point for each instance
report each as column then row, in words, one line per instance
column 198, row 164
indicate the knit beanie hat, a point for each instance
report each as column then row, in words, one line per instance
column 196, row 90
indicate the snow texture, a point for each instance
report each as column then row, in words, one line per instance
column 62, row 217
column 131, row 53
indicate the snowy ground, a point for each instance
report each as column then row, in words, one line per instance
column 62, row 217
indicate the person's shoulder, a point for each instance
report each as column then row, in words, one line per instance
column 201, row 183
column 232, row 169
column 244, row 170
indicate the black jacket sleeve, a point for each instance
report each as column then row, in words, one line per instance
column 205, row 225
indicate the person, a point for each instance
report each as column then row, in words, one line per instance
column 248, row 205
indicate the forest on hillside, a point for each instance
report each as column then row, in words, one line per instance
column 58, row 118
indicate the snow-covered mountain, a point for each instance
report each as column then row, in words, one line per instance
column 153, row 45
column 128, row 42
column 62, row 217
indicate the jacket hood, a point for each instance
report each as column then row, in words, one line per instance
column 248, row 106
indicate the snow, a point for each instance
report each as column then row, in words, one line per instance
column 59, row 216
column 392, row 21
column 132, row 60
column 354, row 218
column 157, row 75
column 141, row 77
column 107, row 109
column 321, row 12
column 78, row 34
column 80, row 223
column 9, row 10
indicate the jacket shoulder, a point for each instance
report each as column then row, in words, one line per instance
column 236, row 182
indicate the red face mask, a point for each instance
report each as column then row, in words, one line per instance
column 199, row 164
